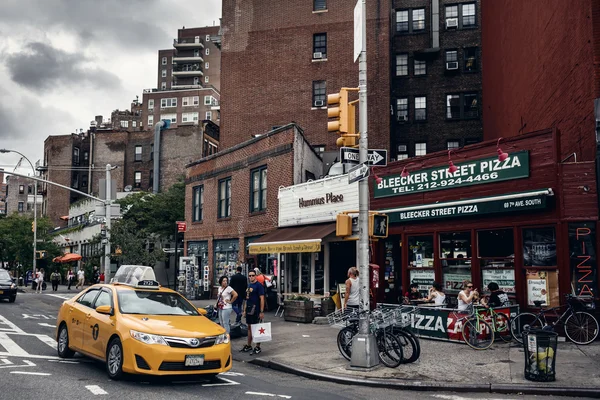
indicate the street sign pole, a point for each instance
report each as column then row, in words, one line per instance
column 108, row 217
column 364, row 347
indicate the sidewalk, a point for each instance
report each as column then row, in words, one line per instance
column 310, row 350
column 62, row 289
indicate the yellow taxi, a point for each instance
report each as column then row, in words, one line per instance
column 136, row 326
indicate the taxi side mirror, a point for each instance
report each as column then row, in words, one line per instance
column 104, row 310
column 202, row 311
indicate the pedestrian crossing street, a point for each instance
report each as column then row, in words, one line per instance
column 14, row 342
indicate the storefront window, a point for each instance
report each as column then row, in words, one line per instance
column 455, row 255
column 295, row 271
column 539, row 247
column 420, row 251
column 226, row 257
column 497, row 259
column 306, row 276
column 319, row 274
column 583, row 261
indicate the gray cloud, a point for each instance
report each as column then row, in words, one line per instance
column 42, row 67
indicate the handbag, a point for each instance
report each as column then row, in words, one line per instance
column 261, row 332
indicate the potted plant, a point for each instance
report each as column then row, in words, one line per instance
column 299, row 309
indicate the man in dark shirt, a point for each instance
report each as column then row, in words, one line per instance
column 497, row 298
column 413, row 294
column 254, row 309
column 239, row 283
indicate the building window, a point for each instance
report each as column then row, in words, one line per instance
column 451, row 56
column 138, row 153
column 471, row 64
column 402, row 109
column 453, row 106
column 462, row 106
column 402, row 153
column 402, row 64
column 418, row 19
column 421, row 108
column 319, row 149
column 470, row 108
column 151, row 179
column 207, row 100
column 76, row 156
column 197, row 203
column 164, row 61
column 453, row 144
column 20, row 206
column 318, row 96
column 163, row 85
column 206, row 65
column 196, row 80
column 319, row 5
column 21, row 189
column 189, row 117
column 258, row 189
column 196, row 100
column 420, row 149
column 319, row 45
column 420, row 67
column 451, row 12
column 224, row 198
column 84, row 181
column 170, row 117
column 208, row 115
column 124, row 124
column 150, row 104
column 168, row 102
column 164, row 73
column 402, row 21
column 206, row 79
column 134, row 124
column 152, row 151
column 150, row 120
column 468, row 15
column 86, row 156
column 496, row 251
column 138, row 179
column 207, row 51
column 185, row 101
column 455, row 257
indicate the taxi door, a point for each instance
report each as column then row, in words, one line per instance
column 98, row 327
column 77, row 316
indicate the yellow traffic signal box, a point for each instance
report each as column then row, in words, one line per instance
column 343, row 225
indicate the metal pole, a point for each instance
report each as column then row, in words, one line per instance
column 108, row 217
column 175, row 270
column 364, row 346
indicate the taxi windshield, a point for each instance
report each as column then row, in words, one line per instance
column 153, row 303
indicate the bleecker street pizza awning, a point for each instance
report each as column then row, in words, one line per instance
column 511, row 202
column 297, row 239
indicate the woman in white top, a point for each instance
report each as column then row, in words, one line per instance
column 466, row 296
column 352, row 298
column 436, row 293
column 225, row 298
column 40, row 281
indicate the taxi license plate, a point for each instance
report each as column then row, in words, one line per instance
column 194, row 361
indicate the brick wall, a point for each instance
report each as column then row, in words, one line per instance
column 267, row 50
column 547, row 80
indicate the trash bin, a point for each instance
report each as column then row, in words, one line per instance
column 540, row 355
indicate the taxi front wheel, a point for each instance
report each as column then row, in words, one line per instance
column 63, row 343
column 114, row 359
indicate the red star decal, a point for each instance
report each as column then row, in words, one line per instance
column 261, row 331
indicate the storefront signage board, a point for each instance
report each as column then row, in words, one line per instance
column 475, row 172
column 422, row 277
column 308, row 247
column 473, row 208
column 505, row 278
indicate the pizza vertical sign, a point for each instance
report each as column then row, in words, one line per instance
column 475, row 172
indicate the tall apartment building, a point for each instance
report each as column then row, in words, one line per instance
column 2, row 193
column 280, row 60
column 20, row 195
column 128, row 120
column 436, row 77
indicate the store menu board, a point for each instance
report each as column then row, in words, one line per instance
column 542, row 286
column 422, row 277
column 505, row 278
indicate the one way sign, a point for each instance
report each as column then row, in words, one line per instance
column 375, row 157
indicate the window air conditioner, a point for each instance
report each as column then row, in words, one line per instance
column 317, row 55
column 452, row 65
column 319, row 103
column 451, row 23
column 402, row 118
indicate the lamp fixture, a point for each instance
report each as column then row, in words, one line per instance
column 404, row 172
column 378, row 180
column 501, row 155
column 451, row 167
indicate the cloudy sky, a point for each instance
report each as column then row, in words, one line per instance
column 64, row 61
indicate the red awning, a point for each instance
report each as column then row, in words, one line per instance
column 69, row 257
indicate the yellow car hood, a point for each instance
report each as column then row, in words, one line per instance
column 172, row 325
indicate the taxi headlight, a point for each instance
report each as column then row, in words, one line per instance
column 147, row 338
column 222, row 339
column 13, row 286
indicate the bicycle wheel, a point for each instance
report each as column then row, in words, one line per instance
column 581, row 328
column 501, row 324
column 389, row 349
column 524, row 322
column 411, row 348
column 344, row 341
column 477, row 334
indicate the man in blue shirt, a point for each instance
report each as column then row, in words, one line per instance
column 255, row 305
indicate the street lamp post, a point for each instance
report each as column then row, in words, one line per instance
column 34, row 208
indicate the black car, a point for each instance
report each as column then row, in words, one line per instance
column 8, row 289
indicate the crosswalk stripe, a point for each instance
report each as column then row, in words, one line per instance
column 63, row 296
column 10, row 346
column 48, row 340
column 12, row 327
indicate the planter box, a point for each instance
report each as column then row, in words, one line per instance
column 298, row 311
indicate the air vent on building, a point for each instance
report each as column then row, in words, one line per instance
column 319, row 103
column 402, row 118
column 451, row 23
column 317, row 55
column 452, row 65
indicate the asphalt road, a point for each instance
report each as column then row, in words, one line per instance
column 30, row 369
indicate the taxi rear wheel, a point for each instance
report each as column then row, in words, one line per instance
column 114, row 359
column 63, row 343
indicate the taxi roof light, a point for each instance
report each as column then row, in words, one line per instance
column 136, row 276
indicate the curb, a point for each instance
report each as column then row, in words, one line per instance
column 429, row 386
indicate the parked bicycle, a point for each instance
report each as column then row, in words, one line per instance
column 580, row 326
column 480, row 334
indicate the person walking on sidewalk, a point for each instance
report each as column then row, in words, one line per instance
column 40, row 281
column 55, row 278
column 70, row 278
column 239, row 283
column 352, row 296
column 95, row 275
column 254, row 310
column 225, row 298
column 80, row 278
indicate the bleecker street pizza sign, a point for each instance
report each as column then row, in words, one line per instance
column 484, row 170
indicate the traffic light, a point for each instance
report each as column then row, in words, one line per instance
column 343, row 113
column 343, row 225
column 41, row 254
column 32, row 226
column 378, row 225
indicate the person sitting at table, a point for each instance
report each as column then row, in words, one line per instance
column 467, row 296
column 436, row 293
column 413, row 294
column 498, row 298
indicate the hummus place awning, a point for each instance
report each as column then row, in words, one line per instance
column 297, row 239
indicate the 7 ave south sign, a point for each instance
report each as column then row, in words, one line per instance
column 484, row 170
